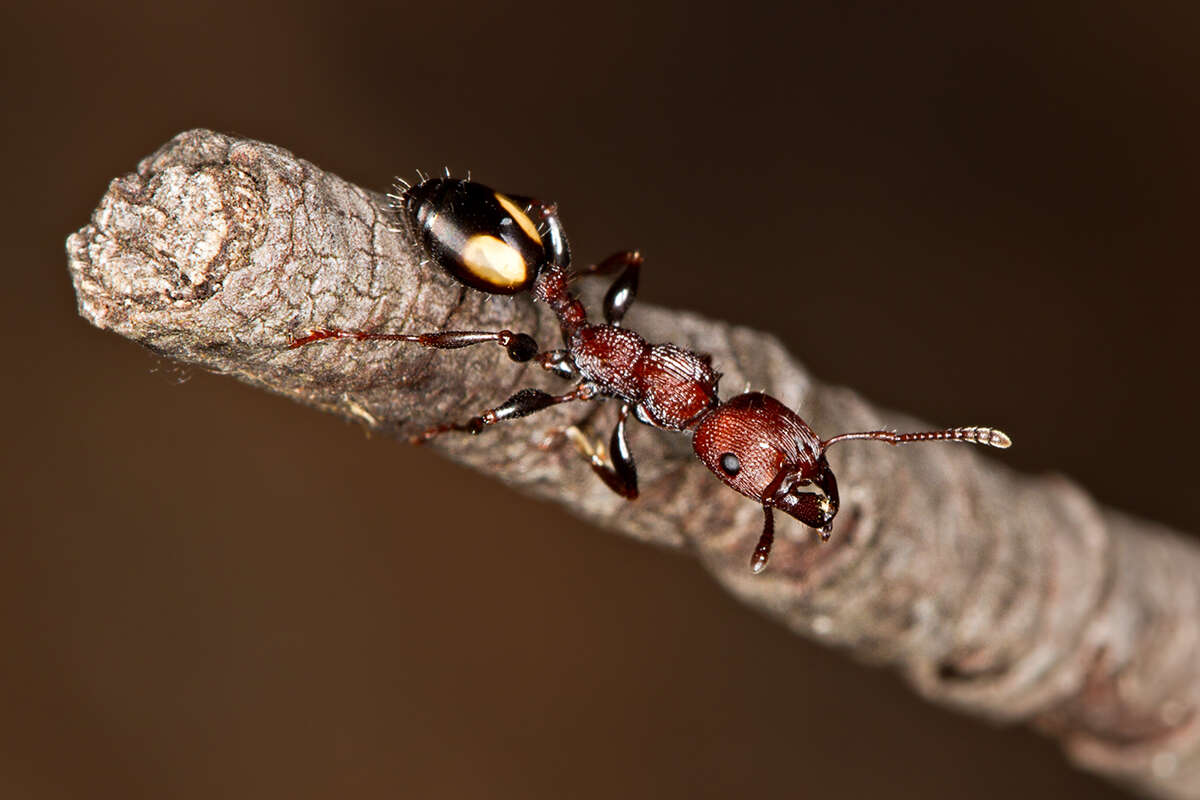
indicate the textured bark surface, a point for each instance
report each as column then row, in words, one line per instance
column 1012, row 597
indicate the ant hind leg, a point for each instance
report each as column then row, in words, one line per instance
column 520, row 346
column 545, row 218
column 621, row 294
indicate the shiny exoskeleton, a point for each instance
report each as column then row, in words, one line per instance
column 505, row 244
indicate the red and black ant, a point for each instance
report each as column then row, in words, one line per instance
column 506, row 244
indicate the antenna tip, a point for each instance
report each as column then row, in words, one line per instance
column 998, row 439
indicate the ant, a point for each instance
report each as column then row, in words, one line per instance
column 508, row 244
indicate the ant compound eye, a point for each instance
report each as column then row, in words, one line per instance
column 730, row 464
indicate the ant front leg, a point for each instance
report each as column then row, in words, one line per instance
column 618, row 471
column 521, row 404
column 762, row 551
column 520, row 346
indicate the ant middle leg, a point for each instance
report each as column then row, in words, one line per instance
column 521, row 404
column 557, row 361
column 520, row 346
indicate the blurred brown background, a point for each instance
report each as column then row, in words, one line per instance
column 972, row 214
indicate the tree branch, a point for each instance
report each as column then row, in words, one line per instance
column 1013, row 597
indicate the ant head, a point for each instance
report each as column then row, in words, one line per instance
column 764, row 450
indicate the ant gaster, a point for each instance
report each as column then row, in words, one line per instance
column 507, row 244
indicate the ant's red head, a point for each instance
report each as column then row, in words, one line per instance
column 764, row 450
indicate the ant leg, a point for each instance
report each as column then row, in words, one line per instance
column 554, row 436
column 614, row 263
column 545, row 218
column 521, row 404
column 618, row 471
column 557, row 361
column 762, row 551
column 620, row 295
column 520, row 346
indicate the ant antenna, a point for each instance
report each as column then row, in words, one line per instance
column 989, row 437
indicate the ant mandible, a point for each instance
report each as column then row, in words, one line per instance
column 507, row 244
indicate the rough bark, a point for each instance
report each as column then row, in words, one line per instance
column 1012, row 597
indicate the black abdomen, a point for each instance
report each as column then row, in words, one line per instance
column 480, row 236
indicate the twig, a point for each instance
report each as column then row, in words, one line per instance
column 1012, row 597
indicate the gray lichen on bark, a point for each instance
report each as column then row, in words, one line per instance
column 1009, row 596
